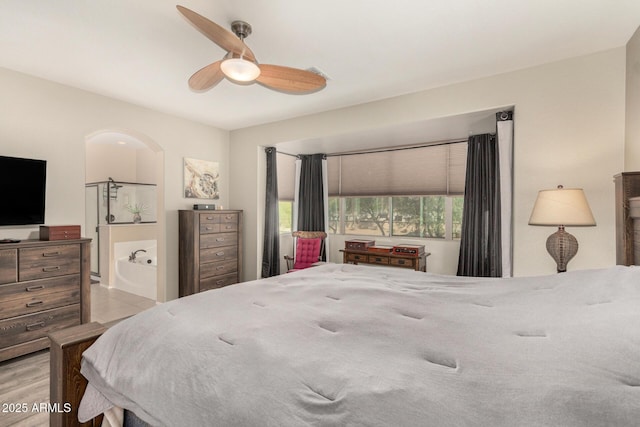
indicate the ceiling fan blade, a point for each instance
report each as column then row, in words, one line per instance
column 288, row 79
column 207, row 77
column 217, row 34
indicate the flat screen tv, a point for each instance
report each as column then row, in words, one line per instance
column 24, row 184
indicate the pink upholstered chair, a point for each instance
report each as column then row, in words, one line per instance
column 309, row 249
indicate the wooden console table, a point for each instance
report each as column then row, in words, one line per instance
column 418, row 263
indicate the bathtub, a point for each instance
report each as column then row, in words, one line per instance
column 140, row 275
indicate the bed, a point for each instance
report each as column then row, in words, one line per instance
column 357, row 345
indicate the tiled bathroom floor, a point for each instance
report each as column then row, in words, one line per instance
column 112, row 304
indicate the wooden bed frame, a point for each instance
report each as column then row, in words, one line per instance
column 67, row 384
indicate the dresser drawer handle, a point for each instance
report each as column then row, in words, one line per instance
column 35, row 288
column 220, row 253
column 48, row 269
column 220, row 239
column 219, row 282
column 401, row 261
column 229, row 227
column 220, row 267
column 34, row 303
column 49, row 254
column 228, row 217
column 210, row 218
column 35, row 326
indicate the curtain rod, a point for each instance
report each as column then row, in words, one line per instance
column 387, row 149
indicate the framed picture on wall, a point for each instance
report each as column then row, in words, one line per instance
column 201, row 179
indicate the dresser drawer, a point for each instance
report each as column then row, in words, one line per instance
column 377, row 259
column 218, row 282
column 38, row 288
column 209, row 218
column 218, row 240
column 8, row 264
column 209, row 227
column 400, row 262
column 28, row 304
column 229, row 218
column 33, row 326
column 218, row 254
column 49, row 261
column 218, row 268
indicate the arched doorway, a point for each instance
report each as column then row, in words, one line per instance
column 124, row 174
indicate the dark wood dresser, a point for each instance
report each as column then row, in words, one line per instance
column 627, row 185
column 44, row 286
column 210, row 250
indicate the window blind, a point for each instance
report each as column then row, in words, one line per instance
column 286, row 176
column 431, row 170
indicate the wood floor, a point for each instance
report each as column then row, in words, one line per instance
column 24, row 381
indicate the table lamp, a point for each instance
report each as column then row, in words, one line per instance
column 562, row 207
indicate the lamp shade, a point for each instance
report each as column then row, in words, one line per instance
column 562, row 206
column 240, row 69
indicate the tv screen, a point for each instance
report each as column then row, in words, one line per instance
column 24, row 197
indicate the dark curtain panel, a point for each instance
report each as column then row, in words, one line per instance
column 271, row 244
column 480, row 246
column 311, row 194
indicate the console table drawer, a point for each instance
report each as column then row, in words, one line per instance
column 403, row 262
column 33, row 326
column 50, row 261
column 357, row 258
column 377, row 259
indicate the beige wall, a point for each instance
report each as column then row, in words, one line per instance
column 632, row 134
column 45, row 120
column 569, row 129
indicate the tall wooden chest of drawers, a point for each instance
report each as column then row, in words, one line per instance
column 44, row 286
column 627, row 185
column 210, row 250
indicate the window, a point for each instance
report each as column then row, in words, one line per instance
column 412, row 192
column 285, row 214
column 286, row 176
column 436, row 217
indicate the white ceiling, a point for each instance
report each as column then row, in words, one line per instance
column 143, row 51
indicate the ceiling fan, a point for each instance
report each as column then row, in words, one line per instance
column 240, row 66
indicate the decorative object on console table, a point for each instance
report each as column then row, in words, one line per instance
column 210, row 250
column 627, row 186
column 44, row 286
column 562, row 207
column 59, row 232
column 412, row 250
column 359, row 244
column 380, row 249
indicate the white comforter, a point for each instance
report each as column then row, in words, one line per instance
column 345, row 345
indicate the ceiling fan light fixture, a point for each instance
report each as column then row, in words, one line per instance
column 240, row 70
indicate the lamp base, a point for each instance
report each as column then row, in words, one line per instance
column 562, row 246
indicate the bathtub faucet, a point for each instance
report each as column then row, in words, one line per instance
column 132, row 257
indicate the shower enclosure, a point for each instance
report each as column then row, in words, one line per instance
column 116, row 203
